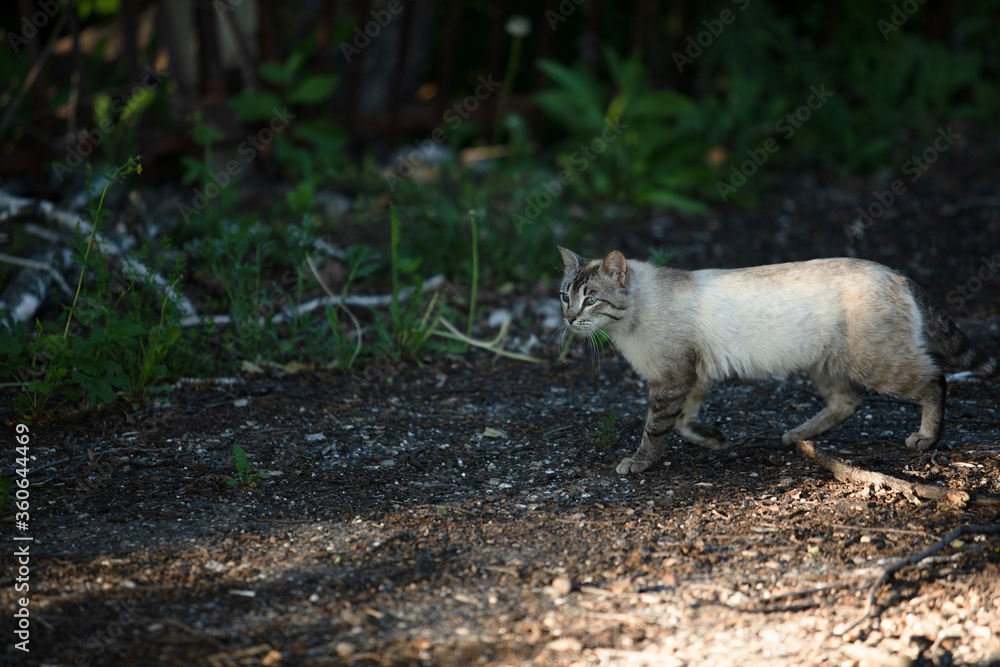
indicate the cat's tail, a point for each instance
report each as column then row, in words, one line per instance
column 947, row 339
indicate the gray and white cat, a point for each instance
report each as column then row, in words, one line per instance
column 847, row 323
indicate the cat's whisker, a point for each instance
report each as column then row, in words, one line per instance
column 559, row 335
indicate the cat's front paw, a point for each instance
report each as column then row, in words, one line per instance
column 920, row 442
column 630, row 465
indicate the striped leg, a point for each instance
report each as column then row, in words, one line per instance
column 688, row 428
column 932, row 421
column 665, row 403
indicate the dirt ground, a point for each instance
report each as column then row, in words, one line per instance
column 467, row 512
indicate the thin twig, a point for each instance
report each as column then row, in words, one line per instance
column 913, row 559
column 40, row 266
column 340, row 303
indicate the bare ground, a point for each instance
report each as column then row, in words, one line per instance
column 467, row 512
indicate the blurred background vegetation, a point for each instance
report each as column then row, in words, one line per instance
column 343, row 148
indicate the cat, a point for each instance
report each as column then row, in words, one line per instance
column 847, row 323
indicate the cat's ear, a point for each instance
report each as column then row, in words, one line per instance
column 614, row 266
column 570, row 258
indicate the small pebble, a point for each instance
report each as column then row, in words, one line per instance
column 344, row 649
column 565, row 645
column 562, row 585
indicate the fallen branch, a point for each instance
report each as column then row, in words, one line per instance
column 72, row 223
column 913, row 560
column 39, row 265
column 24, row 294
column 362, row 301
column 847, row 473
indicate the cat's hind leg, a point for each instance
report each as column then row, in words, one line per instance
column 843, row 399
column 932, row 421
column 690, row 430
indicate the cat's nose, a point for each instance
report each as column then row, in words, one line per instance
column 570, row 319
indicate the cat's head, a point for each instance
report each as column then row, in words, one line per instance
column 594, row 292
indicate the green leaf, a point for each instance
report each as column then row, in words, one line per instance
column 204, row 135
column 240, row 458
column 40, row 386
column 673, row 200
column 255, row 106
column 323, row 134
column 314, row 89
column 273, row 72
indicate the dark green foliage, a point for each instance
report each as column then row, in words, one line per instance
column 632, row 143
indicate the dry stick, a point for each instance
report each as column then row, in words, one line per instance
column 360, row 300
column 39, row 266
column 71, row 223
column 848, row 473
column 852, row 474
column 913, row 560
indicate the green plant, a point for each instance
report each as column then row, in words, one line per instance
column 438, row 224
column 474, row 278
column 6, row 497
column 518, row 27
column 639, row 146
column 660, row 256
column 106, row 345
column 301, row 150
column 409, row 328
column 236, row 259
column 889, row 89
column 245, row 474
column 609, row 431
column 122, row 116
column 360, row 262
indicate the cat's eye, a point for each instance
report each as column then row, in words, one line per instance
column 565, row 297
column 590, row 301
